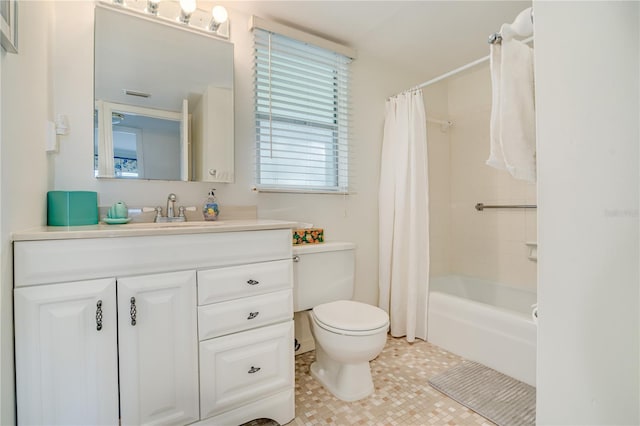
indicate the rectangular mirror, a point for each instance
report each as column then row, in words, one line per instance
column 163, row 101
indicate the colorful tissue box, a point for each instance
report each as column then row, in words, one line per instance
column 308, row 236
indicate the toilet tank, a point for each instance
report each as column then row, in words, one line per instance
column 322, row 273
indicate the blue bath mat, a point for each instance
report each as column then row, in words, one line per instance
column 495, row 396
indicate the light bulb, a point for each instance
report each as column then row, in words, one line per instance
column 188, row 6
column 219, row 14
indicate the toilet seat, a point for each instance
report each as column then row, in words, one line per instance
column 351, row 318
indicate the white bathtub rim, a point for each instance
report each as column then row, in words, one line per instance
column 517, row 316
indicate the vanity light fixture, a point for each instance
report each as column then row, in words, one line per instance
column 180, row 13
column 219, row 16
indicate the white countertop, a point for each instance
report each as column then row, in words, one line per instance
column 146, row 229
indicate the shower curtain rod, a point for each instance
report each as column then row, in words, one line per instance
column 460, row 69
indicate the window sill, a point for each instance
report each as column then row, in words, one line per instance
column 300, row 191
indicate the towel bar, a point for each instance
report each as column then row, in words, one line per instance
column 481, row 206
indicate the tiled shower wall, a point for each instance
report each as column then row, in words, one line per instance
column 490, row 244
column 436, row 100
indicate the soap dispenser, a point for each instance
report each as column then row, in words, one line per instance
column 211, row 210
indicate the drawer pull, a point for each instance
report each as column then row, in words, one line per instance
column 133, row 311
column 252, row 315
column 253, row 282
column 99, row 315
column 254, row 370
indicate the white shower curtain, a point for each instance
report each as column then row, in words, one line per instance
column 403, row 208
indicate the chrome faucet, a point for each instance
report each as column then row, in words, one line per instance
column 171, row 211
column 171, row 204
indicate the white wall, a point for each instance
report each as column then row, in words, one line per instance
column 25, row 88
column 587, row 95
column 350, row 217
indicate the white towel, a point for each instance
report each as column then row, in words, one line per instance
column 496, row 157
column 513, row 134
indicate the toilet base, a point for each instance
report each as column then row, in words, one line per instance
column 347, row 382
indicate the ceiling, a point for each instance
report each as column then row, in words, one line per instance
column 430, row 37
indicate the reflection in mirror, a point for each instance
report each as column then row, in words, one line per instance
column 128, row 155
column 137, row 136
column 163, row 101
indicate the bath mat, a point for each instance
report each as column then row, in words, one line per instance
column 495, row 396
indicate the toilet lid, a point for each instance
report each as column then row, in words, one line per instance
column 348, row 315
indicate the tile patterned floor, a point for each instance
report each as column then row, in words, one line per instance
column 402, row 395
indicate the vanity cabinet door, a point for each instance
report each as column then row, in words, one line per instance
column 66, row 353
column 158, row 343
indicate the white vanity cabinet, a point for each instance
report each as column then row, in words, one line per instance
column 155, row 329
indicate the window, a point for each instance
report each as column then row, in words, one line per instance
column 301, row 115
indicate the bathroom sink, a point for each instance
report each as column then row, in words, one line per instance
column 174, row 225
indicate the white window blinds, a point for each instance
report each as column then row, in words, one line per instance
column 301, row 115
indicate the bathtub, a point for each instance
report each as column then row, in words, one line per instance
column 484, row 322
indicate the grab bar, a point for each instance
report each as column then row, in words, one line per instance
column 481, row 206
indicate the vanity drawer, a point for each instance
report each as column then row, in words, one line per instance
column 231, row 316
column 220, row 284
column 243, row 367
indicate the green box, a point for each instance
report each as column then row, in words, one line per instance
column 72, row 208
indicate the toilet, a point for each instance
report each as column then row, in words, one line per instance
column 347, row 334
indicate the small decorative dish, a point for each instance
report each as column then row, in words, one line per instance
column 116, row 221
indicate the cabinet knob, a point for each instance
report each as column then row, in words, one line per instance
column 99, row 315
column 253, row 282
column 252, row 315
column 133, row 311
column 253, row 370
